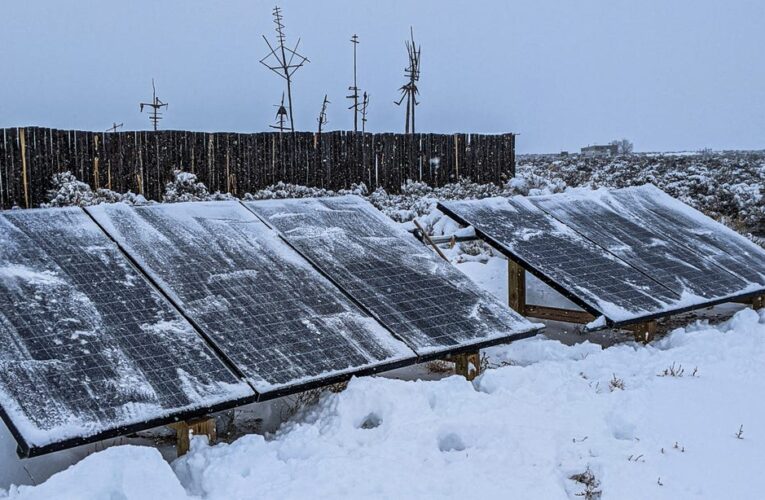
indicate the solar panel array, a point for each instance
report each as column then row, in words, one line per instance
column 263, row 306
column 87, row 346
column 115, row 318
column 626, row 254
column 427, row 302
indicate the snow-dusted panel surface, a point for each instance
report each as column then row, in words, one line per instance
column 588, row 274
column 272, row 314
column 725, row 247
column 653, row 245
column 86, row 344
column 627, row 253
column 424, row 300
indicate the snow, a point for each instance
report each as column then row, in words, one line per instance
column 119, row 473
column 597, row 323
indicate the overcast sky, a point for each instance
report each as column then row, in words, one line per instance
column 667, row 74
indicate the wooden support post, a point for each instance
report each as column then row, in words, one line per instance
column 644, row 332
column 467, row 364
column 430, row 241
column 196, row 427
column 558, row 314
column 758, row 302
column 516, row 286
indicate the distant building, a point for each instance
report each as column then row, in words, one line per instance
column 604, row 150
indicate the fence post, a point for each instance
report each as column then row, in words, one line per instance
column 23, row 144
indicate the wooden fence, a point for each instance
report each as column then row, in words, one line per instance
column 143, row 162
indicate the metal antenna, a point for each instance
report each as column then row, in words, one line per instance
column 409, row 90
column 156, row 104
column 364, row 104
column 281, row 116
column 323, row 114
column 282, row 60
column 354, row 88
column 114, row 127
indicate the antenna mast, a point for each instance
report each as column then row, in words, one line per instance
column 323, row 114
column 354, row 88
column 156, row 104
column 409, row 90
column 282, row 60
column 114, row 127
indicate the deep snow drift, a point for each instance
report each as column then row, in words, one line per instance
column 680, row 418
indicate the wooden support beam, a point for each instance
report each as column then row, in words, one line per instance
column 197, row 427
column 467, row 364
column 427, row 238
column 516, row 286
column 644, row 332
column 557, row 314
column 758, row 302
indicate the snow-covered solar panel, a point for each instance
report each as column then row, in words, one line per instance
column 723, row 246
column 679, row 265
column 422, row 299
column 88, row 348
column 628, row 254
column 582, row 271
column 276, row 318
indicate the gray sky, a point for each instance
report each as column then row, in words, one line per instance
column 667, row 74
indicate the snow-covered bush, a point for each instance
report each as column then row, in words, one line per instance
column 283, row 190
column 186, row 187
column 728, row 186
column 69, row 191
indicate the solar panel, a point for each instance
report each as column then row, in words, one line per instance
column 611, row 224
column 424, row 300
column 87, row 346
column 593, row 278
column 721, row 245
column 266, row 309
column 628, row 254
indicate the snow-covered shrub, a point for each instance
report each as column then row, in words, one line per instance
column 69, row 191
column 186, row 187
column 284, row 190
column 724, row 185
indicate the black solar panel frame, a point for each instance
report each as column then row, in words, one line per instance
column 576, row 300
column 25, row 450
column 421, row 357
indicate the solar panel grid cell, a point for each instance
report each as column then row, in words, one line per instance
column 86, row 345
column 425, row 301
column 592, row 277
column 687, row 226
column 266, row 309
column 677, row 266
